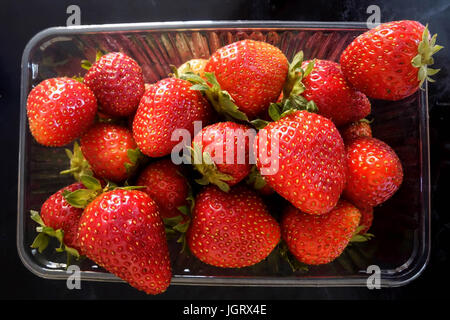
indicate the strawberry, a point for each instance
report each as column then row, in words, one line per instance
column 319, row 239
column 196, row 66
column 334, row 97
column 221, row 153
column 169, row 105
column 231, row 230
column 374, row 172
column 244, row 78
column 302, row 157
column 258, row 183
column 147, row 86
column 355, row 130
column 117, row 82
column 59, row 110
column 122, row 231
column 165, row 185
column 110, row 150
column 366, row 219
column 390, row 61
column 59, row 219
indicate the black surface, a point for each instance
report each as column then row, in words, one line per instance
column 20, row 20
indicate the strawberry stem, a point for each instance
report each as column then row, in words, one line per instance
column 79, row 166
column 205, row 165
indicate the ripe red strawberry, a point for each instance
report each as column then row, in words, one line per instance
column 117, row 82
column 374, row 172
column 355, row 130
column 334, row 97
column 366, row 219
column 231, row 230
column 147, row 86
column 169, row 105
column 225, row 150
column 166, row 186
column 252, row 72
column 59, row 110
column 319, row 239
column 302, row 157
column 390, row 61
column 110, row 150
column 122, row 231
column 58, row 214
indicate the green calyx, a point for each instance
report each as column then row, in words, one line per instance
column 134, row 155
column 293, row 89
column 361, row 237
column 175, row 72
column 255, row 179
column 79, row 166
column 86, row 64
column 78, row 78
column 427, row 47
column 44, row 233
column 82, row 197
column 292, row 93
column 180, row 224
column 205, row 165
column 364, row 120
column 293, row 84
column 183, row 69
column 220, row 99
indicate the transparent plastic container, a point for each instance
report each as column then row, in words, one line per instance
column 401, row 225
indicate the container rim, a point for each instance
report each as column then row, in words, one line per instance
column 399, row 276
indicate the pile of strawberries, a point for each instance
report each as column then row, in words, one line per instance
column 268, row 128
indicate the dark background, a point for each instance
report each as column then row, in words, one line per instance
column 20, row 20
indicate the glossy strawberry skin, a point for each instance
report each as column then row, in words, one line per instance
column 165, row 185
column 169, row 105
column 231, row 230
column 374, row 172
column 105, row 147
column 309, row 170
column 117, row 82
column 215, row 137
column 253, row 73
column 355, row 130
column 366, row 219
column 57, row 213
column 319, row 239
column 334, row 97
column 122, row 231
column 147, row 86
column 59, row 110
column 378, row 62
